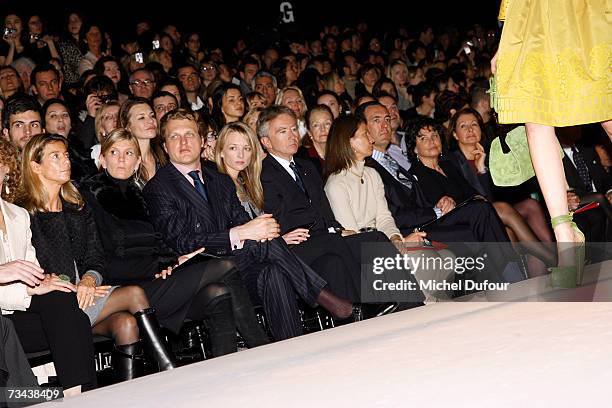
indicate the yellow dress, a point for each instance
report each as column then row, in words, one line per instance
column 554, row 62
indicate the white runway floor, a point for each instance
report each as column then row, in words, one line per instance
column 447, row 354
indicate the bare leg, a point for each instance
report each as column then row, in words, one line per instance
column 544, row 149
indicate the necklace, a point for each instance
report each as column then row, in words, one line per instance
column 358, row 175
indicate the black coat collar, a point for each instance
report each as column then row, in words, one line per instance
column 127, row 203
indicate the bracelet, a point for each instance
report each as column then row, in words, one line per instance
column 88, row 278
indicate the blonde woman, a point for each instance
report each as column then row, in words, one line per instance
column 107, row 119
column 65, row 236
column 291, row 97
column 238, row 154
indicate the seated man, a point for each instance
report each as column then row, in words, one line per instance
column 194, row 206
column 588, row 182
column 474, row 222
column 293, row 193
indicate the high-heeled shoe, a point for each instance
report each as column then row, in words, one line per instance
column 569, row 276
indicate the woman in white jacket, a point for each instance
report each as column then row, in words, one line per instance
column 43, row 308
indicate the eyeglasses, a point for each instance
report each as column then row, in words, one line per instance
column 204, row 69
column 140, row 84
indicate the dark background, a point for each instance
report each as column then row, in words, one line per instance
column 222, row 21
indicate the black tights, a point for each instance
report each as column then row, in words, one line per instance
column 223, row 301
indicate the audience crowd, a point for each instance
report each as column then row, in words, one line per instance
column 147, row 181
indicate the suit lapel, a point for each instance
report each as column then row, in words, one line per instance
column 286, row 178
column 190, row 194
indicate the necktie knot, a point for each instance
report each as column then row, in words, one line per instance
column 198, row 184
column 298, row 177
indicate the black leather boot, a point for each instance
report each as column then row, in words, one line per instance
column 150, row 333
column 128, row 362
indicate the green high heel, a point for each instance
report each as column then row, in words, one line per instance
column 569, row 276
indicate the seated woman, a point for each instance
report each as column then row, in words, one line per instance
column 442, row 182
column 66, row 240
column 292, row 97
column 525, row 220
column 56, row 119
column 136, row 255
column 355, row 192
column 238, row 154
column 137, row 116
column 227, row 104
column 43, row 308
column 318, row 121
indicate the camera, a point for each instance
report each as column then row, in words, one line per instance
column 34, row 37
column 155, row 44
column 9, row 31
column 139, row 57
column 104, row 99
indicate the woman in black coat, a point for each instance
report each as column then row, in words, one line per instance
column 135, row 254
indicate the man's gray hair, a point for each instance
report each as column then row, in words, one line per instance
column 261, row 74
column 269, row 114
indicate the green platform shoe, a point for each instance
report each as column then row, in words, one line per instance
column 569, row 276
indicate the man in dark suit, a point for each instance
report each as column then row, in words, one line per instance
column 589, row 182
column 193, row 206
column 294, row 194
column 443, row 221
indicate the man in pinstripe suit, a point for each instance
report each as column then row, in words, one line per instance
column 194, row 206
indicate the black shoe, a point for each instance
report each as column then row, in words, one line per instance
column 128, row 362
column 154, row 345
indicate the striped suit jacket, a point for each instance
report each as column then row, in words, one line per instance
column 186, row 221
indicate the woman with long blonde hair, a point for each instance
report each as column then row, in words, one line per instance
column 65, row 236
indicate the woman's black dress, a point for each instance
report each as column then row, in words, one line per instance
column 134, row 252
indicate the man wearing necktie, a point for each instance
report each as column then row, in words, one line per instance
column 193, row 205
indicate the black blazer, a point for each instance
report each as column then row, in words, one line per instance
column 480, row 182
column 133, row 250
column 601, row 179
column 289, row 205
column 435, row 185
column 408, row 206
column 183, row 217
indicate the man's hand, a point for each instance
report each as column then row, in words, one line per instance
column 573, row 201
column 446, row 204
column 262, row 228
column 22, row 271
column 297, row 236
column 50, row 283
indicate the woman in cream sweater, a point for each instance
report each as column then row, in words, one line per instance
column 356, row 193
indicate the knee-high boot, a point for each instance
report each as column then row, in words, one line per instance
column 127, row 361
column 150, row 333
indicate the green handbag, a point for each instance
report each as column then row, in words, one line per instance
column 509, row 157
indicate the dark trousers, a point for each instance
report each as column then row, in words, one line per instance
column 474, row 222
column 54, row 321
column 331, row 257
column 279, row 277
